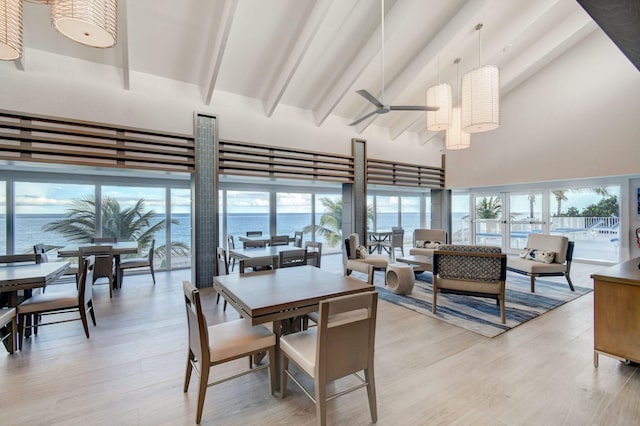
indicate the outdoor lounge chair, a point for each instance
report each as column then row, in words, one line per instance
column 585, row 230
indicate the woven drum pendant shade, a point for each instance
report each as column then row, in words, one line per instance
column 456, row 138
column 10, row 29
column 481, row 99
column 440, row 96
column 89, row 22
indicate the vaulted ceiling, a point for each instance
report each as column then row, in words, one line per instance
column 314, row 54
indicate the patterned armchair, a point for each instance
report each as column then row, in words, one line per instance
column 470, row 270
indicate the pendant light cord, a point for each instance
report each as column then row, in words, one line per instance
column 382, row 50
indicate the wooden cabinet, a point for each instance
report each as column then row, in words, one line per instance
column 617, row 312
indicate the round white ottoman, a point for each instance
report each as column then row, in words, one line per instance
column 400, row 278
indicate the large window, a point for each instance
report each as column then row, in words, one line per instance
column 328, row 221
column 460, row 219
column 3, row 218
column 180, row 228
column 247, row 211
column 410, row 218
column 293, row 213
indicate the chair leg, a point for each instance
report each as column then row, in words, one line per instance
column 153, row 274
column 92, row 312
column 273, row 377
column 569, row 281
column 22, row 318
column 435, row 300
column 202, row 390
column 371, row 393
column 187, row 377
column 321, row 400
column 83, row 318
column 284, row 365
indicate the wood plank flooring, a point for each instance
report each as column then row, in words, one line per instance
column 131, row 370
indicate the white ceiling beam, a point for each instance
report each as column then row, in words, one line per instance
column 359, row 63
column 289, row 65
column 222, row 36
column 124, row 43
column 451, row 35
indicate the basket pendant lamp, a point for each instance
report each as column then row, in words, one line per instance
column 456, row 137
column 89, row 22
column 481, row 97
column 440, row 96
column 10, row 29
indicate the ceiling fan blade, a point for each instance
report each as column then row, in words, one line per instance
column 364, row 117
column 412, row 108
column 368, row 96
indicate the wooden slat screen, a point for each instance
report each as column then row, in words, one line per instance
column 38, row 138
column 383, row 172
column 240, row 158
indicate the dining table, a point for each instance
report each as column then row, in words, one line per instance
column 376, row 240
column 119, row 248
column 283, row 296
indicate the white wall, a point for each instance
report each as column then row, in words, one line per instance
column 578, row 117
column 63, row 87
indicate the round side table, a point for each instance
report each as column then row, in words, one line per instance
column 400, row 278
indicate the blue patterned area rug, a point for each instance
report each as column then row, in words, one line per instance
column 481, row 315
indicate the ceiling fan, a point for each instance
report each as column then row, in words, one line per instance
column 383, row 108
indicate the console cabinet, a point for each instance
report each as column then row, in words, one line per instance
column 617, row 312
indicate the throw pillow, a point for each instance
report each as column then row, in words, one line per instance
column 361, row 252
column 420, row 243
column 432, row 244
column 541, row 256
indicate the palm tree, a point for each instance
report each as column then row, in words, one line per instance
column 133, row 223
column 560, row 197
column 489, row 208
column 330, row 226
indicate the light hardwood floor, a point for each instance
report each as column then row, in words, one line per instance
column 131, row 370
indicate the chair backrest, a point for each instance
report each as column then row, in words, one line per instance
column 21, row 258
column 279, row 240
column 346, row 335
column 254, row 233
column 39, row 250
column 432, row 235
column 289, row 258
column 364, row 268
column 252, row 244
column 197, row 324
column 397, row 236
column 222, row 262
column 351, row 245
column 257, row 264
column 314, row 253
column 470, row 263
column 558, row 244
column 297, row 238
column 103, row 260
column 231, row 244
column 104, row 240
column 85, row 281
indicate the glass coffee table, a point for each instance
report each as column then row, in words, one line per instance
column 420, row 263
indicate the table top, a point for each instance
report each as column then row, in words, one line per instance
column 623, row 273
column 416, row 259
column 284, row 293
column 271, row 251
column 123, row 247
column 15, row 277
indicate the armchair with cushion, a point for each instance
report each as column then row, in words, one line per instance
column 544, row 256
column 356, row 253
column 470, row 270
column 426, row 241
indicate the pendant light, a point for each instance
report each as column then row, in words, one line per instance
column 481, row 97
column 10, row 29
column 440, row 96
column 89, row 22
column 455, row 137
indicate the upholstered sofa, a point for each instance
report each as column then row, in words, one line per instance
column 425, row 241
column 531, row 262
column 478, row 271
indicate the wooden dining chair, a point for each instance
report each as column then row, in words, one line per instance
column 314, row 253
column 342, row 345
column 137, row 263
column 297, row 238
column 222, row 269
column 95, row 240
column 231, row 245
column 257, row 264
column 8, row 328
column 254, row 233
column 219, row 343
column 253, row 244
column 103, row 270
column 61, row 302
column 279, row 240
column 289, row 258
